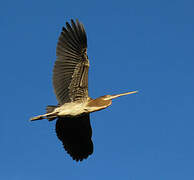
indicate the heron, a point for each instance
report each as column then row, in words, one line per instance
column 70, row 82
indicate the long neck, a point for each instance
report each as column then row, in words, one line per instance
column 98, row 104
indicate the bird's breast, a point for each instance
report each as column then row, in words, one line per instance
column 71, row 109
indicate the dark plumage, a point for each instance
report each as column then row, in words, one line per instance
column 75, row 134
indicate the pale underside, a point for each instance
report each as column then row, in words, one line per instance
column 78, row 108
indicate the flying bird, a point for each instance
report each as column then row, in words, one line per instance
column 70, row 82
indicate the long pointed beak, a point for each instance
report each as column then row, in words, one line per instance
column 118, row 95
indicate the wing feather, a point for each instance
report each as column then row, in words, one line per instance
column 75, row 134
column 70, row 73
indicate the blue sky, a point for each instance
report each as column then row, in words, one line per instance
column 133, row 45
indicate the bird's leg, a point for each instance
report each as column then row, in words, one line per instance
column 44, row 116
column 37, row 118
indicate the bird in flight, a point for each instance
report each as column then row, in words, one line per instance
column 70, row 82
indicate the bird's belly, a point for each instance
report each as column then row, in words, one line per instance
column 71, row 109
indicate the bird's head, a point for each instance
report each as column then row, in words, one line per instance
column 104, row 101
column 110, row 97
column 106, row 97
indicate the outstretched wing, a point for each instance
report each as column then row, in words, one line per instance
column 75, row 134
column 70, row 73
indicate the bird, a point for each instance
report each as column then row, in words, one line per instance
column 70, row 82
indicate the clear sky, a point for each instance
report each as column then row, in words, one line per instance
column 132, row 45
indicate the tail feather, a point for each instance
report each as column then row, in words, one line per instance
column 50, row 109
column 50, row 115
